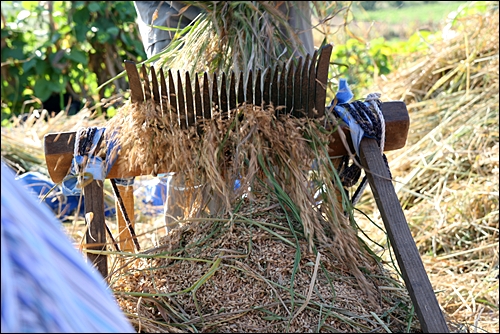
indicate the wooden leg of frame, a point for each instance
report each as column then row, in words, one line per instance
column 95, row 237
column 124, row 237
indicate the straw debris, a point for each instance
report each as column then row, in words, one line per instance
column 280, row 254
column 448, row 173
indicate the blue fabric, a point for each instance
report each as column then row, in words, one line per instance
column 46, row 285
column 152, row 194
column 60, row 204
column 344, row 95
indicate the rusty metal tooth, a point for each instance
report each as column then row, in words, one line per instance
column 289, row 87
column 223, row 97
column 215, row 94
column 173, row 98
column 207, row 103
column 180, row 102
column 249, row 95
column 165, row 107
column 312, row 86
column 322, row 78
column 241, row 95
column 156, row 91
column 267, row 85
column 189, row 101
column 147, row 86
column 258, row 88
column 197, row 100
column 297, row 106
column 304, row 96
column 275, row 88
column 282, row 90
column 232, row 93
column 134, row 81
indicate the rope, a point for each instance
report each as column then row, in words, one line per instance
column 364, row 119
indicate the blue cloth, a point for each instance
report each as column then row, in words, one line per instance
column 46, row 285
column 152, row 194
column 344, row 95
column 62, row 205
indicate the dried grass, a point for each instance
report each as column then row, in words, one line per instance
column 241, row 274
column 448, row 173
column 249, row 267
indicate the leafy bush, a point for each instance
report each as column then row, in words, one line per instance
column 361, row 61
column 65, row 47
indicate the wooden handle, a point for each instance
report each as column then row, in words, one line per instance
column 95, row 236
column 407, row 255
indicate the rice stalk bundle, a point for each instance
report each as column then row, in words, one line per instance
column 238, row 36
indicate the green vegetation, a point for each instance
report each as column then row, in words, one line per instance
column 59, row 47
column 408, row 11
column 362, row 60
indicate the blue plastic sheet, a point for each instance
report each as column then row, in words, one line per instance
column 62, row 205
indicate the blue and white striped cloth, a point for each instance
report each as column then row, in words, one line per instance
column 47, row 286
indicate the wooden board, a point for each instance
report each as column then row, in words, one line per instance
column 95, row 237
column 407, row 255
column 59, row 146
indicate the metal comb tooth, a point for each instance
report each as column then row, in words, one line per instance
column 258, row 89
column 249, row 95
column 147, row 86
column 165, row 103
column 297, row 106
column 189, row 101
column 282, row 90
column 232, row 93
column 311, row 90
column 173, row 98
column 304, row 98
column 207, row 104
column 274, row 88
column 240, row 93
column 180, row 102
column 156, row 91
column 296, row 87
column 267, row 85
column 322, row 78
column 197, row 100
column 223, row 97
column 215, row 94
column 136, row 93
column 289, row 87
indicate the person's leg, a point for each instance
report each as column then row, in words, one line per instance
column 154, row 39
column 299, row 18
column 298, row 14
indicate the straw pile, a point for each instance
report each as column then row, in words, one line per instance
column 281, row 257
column 448, row 174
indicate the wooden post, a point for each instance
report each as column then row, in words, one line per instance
column 407, row 255
column 95, row 237
column 124, row 236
